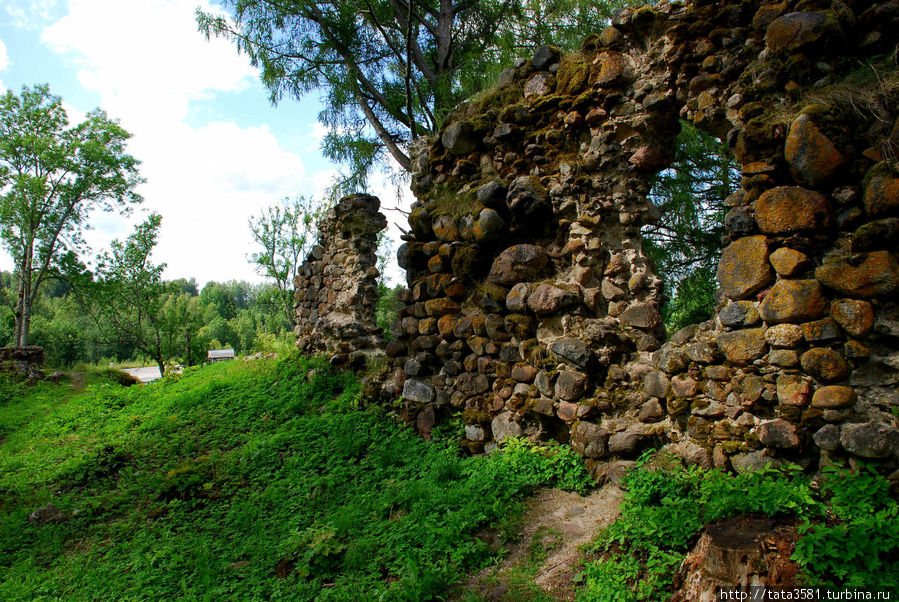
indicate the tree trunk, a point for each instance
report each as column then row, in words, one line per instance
column 161, row 364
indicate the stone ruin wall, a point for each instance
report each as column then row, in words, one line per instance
column 532, row 309
column 336, row 289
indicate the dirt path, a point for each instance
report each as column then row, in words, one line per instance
column 554, row 526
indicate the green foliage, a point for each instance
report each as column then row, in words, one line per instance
column 256, row 480
column 285, row 232
column 387, row 308
column 552, row 464
column 391, row 71
column 859, row 545
column 52, row 178
column 665, row 507
column 685, row 243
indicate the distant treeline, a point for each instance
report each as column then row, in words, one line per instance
column 241, row 315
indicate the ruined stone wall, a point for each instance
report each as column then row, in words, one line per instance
column 336, row 289
column 533, row 310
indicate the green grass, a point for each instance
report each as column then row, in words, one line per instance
column 849, row 526
column 249, row 481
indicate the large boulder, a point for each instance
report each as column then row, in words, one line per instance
column 744, row 268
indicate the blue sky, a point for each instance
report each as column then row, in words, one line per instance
column 213, row 149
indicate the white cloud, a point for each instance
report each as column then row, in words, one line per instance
column 148, row 62
column 30, row 14
column 146, row 57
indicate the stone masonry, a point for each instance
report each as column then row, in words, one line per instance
column 532, row 309
column 336, row 289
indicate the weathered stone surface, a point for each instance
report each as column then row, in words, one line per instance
column 791, row 209
column 876, row 276
column 794, row 301
column 544, row 383
column 821, row 331
column 793, row 390
column 795, row 30
column 516, row 300
column 539, row 84
column 629, row 443
column 545, row 56
column 744, row 269
column 739, row 313
column 613, row 69
column 440, row 307
column 523, row 373
column 475, row 432
column 882, row 193
column 656, row 384
column 472, row 384
column 825, row 364
column 572, row 351
column 651, row 411
column 673, row 359
column 567, row 411
column 752, row 461
column 785, row 358
column 743, row 346
column 516, row 264
column 548, row 299
column 416, row 390
column 570, row 385
column 641, row 315
column 876, row 235
column 493, row 194
column 588, row 439
column 505, row 426
column 856, row 317
column 784, row 335
column 812, row 157
column 827, row 437
column 684, row 386
column 528, row 200
column 779, row 434
column 834, row 397
column 459, row 138
column 489, row 226
column 789, row 262
column 869, row 440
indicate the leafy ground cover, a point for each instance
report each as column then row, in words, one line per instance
column 849, row 526
column 250, row 481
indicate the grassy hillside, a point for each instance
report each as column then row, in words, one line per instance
column 247, row 481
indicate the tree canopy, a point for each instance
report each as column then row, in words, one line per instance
column 391, row 70
column 52, row 176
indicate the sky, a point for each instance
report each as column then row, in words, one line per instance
column 213, row 149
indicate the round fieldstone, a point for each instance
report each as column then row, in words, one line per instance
column 812, row 157
column 869, row 440
column 545, row 56
column 744, row 269
column 881, row 192
column 789, row 262
column 493, row 194
column 876, row 276
column 784, row 335
column 416, row 390
column 795, row 30
column 854, row 316
column 651, row 411
column 572, row 351
column 459, row 138
column 505, row 426
column 789, row 209
column 656, row 384
column 834, row 397
column 743, row 346
column 548, row 299
column 778, row 434
column 827, row 437
column 516, row 300
column 825, row 364
column 794, row 301
column 570, row 385
column 739, row 313
column 613, row 69
column 518, row 263
column 523, row 373
column 641, row 315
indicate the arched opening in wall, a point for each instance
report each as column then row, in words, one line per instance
column 688, row 236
